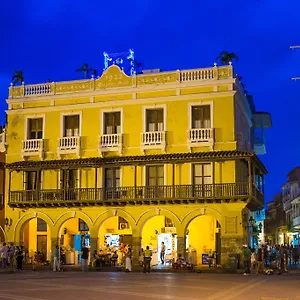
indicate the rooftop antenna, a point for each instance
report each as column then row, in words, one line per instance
column 295, row 47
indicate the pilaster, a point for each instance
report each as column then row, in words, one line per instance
column 136, row 248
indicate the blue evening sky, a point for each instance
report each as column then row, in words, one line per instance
column 50, row 39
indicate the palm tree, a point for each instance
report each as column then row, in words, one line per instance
column 17, row 77
column 225, row 57
column 86, row 70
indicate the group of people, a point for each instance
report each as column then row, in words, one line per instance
column 12, row 256
column 269, row 257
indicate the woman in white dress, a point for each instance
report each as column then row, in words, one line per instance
column 128, row 260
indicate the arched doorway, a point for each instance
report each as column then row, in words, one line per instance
column 36, row 237
column 158, row 230
column 115, row 235
column 203, row 240
column 73, row 234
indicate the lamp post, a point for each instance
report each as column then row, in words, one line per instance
column 252, row 229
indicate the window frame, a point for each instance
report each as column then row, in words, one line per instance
column 102, row 118
column 192, row 181
column 82, row 222
column 200, row 103
column 62, row 124
column 37, row 225
column 25, row 180
column 154, row 107
column 104, row 178
column 26, row 125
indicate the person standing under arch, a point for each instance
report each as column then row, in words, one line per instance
column 162, row 252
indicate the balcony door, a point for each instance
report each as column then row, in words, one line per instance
column 71, row 126
column 201, row 117
column 202, row 180
column 69, row 182
column 112, row 183
column 112, row 123
column 35, row 129
column 154, row 120
column 31, row 182
column 155, row 181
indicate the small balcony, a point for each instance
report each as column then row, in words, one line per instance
column 166, row 194
column 111, row 142
column 69, row 145
column 201, row 137
column 33, row 147
column 154, row 140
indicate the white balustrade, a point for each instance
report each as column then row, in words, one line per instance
column 69, row 143
column 38, row 89
column 199, row 135
column 198, row 74
column 34, row 145
column 154, row 138
column 111, row 140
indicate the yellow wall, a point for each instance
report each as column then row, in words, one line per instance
column 202, row 235
column 149, row 237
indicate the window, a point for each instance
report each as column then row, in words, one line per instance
column 32, row 180
column 155, row 176
column 69, row 179
column 154, row 120
column 201, row 116
column 201, row 174
column 168, row 222
column 41, row 225
column 71, row 126
column 82, row 226
column 35, row 129
column 112, row 123
column 112, row 183
column 112, row 177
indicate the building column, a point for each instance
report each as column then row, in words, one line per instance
column 136, row 248
column 181, row 246
column 231, row 245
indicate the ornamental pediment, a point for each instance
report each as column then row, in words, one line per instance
column 113, row 77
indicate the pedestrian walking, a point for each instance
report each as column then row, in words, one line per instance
column 147, row 259
column 128, row 260
column 56, row 260
column 4, row 251
column 84, row 259
column 247, row 259
column 19, row 258
column 11, row 256
column 260, row 261
column 162, row 253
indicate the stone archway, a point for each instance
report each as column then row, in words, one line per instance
column 26, row 218
column 202, row 235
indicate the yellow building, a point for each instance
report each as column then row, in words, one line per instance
column 141, row 159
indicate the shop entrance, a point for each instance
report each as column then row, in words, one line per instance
column 203, row 241
column 74, row 234
column 115, row 235
column 158, row 230
column 36, row 237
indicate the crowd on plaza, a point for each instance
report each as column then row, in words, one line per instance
column 268, row 258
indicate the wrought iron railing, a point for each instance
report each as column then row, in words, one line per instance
column 137, row 194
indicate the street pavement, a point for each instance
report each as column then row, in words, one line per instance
column 37, row 285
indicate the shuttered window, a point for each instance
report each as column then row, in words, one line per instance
column 202, row 174
column 112, row 177
column 201, row 117
column 155, row 175
column 35, row 129
column 71, row 125
column 30, row 180
column 112, row 123
column 154, row 120
column 41, row 225
column 69, row 179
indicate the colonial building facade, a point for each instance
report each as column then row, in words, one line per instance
column 165, row 156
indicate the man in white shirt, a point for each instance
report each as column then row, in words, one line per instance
column 4, row 251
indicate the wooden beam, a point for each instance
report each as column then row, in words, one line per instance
column 9, row 184
column 173, row 180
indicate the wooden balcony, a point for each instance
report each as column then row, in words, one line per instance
column 167, row 194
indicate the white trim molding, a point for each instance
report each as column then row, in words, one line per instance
column 199, row 137
column 111, row 142
column 154, row 139
column 33, row 147
column 72, row 144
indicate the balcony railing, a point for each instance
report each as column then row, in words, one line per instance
column 110, row 142
column 154, row 140
column 32, row 147
column 69, row 144
column 201, row 135
column 225, row 191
